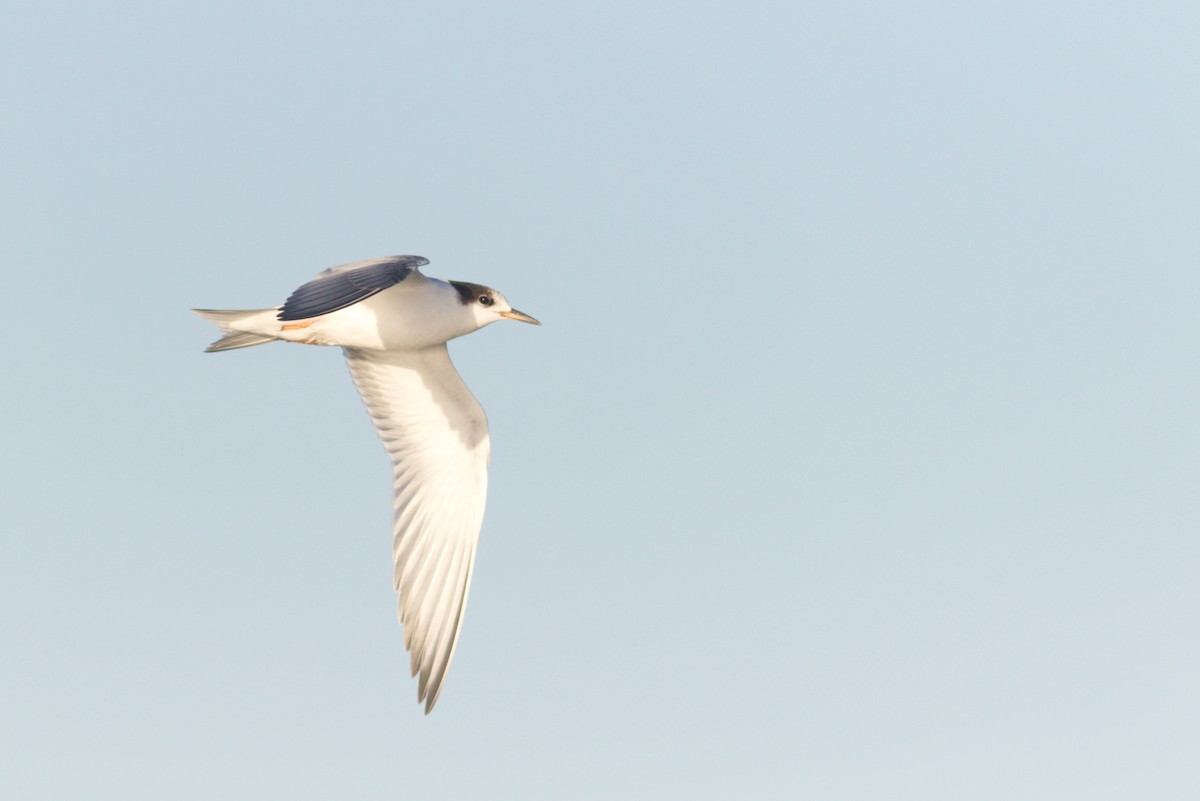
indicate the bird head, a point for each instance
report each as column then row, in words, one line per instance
column 488, row 306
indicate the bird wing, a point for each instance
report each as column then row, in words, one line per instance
column 339, row 287
column 437, row 436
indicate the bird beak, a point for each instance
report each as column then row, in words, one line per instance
column 513, row 314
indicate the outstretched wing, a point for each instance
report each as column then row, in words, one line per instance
column 339, row 287
column 436, row 434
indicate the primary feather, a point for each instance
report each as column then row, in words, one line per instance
column 437, row 437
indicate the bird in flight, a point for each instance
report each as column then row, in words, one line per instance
column 393, row 324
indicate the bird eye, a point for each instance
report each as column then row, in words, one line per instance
column 485, row 300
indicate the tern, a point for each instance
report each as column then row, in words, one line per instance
column 393, row 324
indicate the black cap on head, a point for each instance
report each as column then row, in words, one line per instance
column 468, row 293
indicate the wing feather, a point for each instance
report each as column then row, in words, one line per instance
column 339, row 287
column 436, row 435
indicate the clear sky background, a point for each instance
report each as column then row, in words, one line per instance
column 857, row 458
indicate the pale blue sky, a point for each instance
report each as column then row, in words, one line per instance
column 857, row 458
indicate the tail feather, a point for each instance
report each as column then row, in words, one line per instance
column 234, row 337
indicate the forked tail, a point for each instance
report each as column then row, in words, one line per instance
column 238, row 327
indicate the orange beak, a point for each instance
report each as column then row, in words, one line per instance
column 513, row 314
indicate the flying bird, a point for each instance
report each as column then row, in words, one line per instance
column 393, row 323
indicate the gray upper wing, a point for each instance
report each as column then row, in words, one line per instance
column 339, row 287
